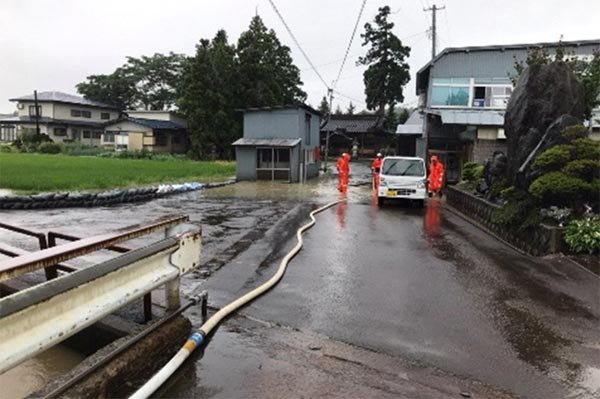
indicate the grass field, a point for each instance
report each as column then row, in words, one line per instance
column 40, row 172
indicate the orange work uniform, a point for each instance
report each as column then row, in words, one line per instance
column 436, row 175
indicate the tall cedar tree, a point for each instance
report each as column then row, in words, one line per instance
column 387, row 71
column 324, row 107
column 208, row 98
column 351, row 109
column 267, row 73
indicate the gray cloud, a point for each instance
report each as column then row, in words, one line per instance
column 54, row 44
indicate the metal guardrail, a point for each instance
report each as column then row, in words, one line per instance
column 49, row 257
column 34, row 320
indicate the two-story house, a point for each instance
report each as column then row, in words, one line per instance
column 279, row 143
column 158, row 131
column 63, row 117
column 463, row 93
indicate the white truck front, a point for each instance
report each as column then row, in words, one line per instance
column 403, row 177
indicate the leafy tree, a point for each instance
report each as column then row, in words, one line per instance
column 118, row 89
column 388, row 71
column 338, row 110
column 403, row 114
column 146, row 82
column 351, row 108
column 209, row 98
column 157, row 79
column 324, row 106
column 267, row 74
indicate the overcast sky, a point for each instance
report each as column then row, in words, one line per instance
column 54, row 44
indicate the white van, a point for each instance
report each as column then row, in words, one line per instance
column 402, row 177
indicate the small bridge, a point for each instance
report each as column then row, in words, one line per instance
column 70, row 299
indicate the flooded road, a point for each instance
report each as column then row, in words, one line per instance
column 416, row 284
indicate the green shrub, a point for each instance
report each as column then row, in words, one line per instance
column 49, row 148
column 575, row 132
column 553, row 158
column 519, row 212
column 29, row 140
column 586, row 169
column 583, row 235
column 472, row 171
column 6, row 148
column 586, row 149
column 558, row 188
column 78, row 149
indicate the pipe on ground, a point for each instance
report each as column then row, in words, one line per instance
column 196, row 339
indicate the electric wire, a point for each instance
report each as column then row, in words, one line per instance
column 197, row 338
column 298, row 44
column 362, row 7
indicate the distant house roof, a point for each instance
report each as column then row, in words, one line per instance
column 275, row 142
column 59, row 97
column 413, row 125
column 281, row 107
column 353, row 123
column 154, row 124
column 46, row 120
column 423, row 74
column 471, row 117
column 502, row 47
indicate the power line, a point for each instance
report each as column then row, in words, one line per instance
column 350, row 98
column 298, row 44
column 446, row 19
column 362, row 7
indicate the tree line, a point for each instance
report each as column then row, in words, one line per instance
column 210, row 87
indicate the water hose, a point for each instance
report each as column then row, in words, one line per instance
column 195, row 340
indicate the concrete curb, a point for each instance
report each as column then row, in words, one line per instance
column 103, row 198
column 488, row 231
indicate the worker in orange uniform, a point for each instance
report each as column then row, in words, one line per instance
column 436, row 176
column 343, row 169
column 376, row 169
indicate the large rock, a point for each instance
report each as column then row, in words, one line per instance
column 542, row 95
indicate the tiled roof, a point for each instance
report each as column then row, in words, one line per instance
column 45, row 119
column 59, row 97
column 353, row 123
column 155, row 124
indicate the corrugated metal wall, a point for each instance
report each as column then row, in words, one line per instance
column 245, row 158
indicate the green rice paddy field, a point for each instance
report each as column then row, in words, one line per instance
column 44, row 172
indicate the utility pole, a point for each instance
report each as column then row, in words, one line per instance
column 433, row 10
column 37, row 114
column 330, row 94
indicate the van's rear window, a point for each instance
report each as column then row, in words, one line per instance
column 403, row 167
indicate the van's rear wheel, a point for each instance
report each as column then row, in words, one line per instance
column 380, row 201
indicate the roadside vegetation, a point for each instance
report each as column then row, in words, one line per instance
column 566, row 192
column 45, row 172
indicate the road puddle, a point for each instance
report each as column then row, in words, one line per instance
column 34, row 373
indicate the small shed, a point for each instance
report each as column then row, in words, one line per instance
column 279, row 143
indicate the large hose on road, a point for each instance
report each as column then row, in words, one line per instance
column 196, row 339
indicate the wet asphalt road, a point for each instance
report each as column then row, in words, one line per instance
column 417, row 284
column 428, row 286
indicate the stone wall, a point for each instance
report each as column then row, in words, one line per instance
column 484, row 149
column 538, row 241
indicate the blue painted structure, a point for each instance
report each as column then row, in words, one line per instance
column 281, row 130
column 463, row 94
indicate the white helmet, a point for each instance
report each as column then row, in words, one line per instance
column 379, row 155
